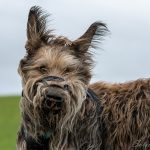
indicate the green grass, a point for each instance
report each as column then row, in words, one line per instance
column 9, row 122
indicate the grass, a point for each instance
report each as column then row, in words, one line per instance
column 9, row 122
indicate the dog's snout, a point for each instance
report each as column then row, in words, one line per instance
column 52, row 104
column 54, row 99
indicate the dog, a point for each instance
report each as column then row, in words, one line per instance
column 61, row 110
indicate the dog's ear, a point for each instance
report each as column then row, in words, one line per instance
column 91, row 37
column 37, row 33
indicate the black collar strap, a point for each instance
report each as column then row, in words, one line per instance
column 91, row 94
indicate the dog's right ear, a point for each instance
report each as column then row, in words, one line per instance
column 37, row 33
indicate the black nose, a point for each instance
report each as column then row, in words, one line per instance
column 53, row 103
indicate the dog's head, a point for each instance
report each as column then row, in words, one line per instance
column 55, row 71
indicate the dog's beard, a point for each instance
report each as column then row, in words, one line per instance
column 67, row 122
column 40, row 121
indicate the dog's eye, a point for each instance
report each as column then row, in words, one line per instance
column 42, row 69
column 68, row 69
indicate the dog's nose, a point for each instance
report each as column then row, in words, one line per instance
column 53, row 101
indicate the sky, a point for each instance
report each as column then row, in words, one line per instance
column 123, row 55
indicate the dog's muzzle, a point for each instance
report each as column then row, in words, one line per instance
column 54, row 78
column 54, row 95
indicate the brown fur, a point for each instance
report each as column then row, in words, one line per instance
column 126, row 113
column 117, row 120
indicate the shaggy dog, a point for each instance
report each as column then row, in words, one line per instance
column 61, row 110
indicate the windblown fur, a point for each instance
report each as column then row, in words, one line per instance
column 126, row 112
column 59, row 108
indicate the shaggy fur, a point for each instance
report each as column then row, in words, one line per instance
column 59, row 108
column 126, row 112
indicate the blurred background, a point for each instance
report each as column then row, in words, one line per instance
column 123, row 55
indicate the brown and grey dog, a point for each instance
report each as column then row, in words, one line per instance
column 62, row 111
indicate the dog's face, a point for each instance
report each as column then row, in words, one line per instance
column 55, row 71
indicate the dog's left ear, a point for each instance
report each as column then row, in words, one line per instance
column 91, row 37
column 37, row 33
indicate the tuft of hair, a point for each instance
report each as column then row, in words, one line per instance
column 37, row 32
column 100, row 31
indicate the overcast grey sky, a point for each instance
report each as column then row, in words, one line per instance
column 124, row 55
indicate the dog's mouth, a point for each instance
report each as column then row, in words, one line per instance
column 52, row 104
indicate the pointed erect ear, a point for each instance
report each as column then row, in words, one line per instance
column 37, row 33
column 91, row 37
